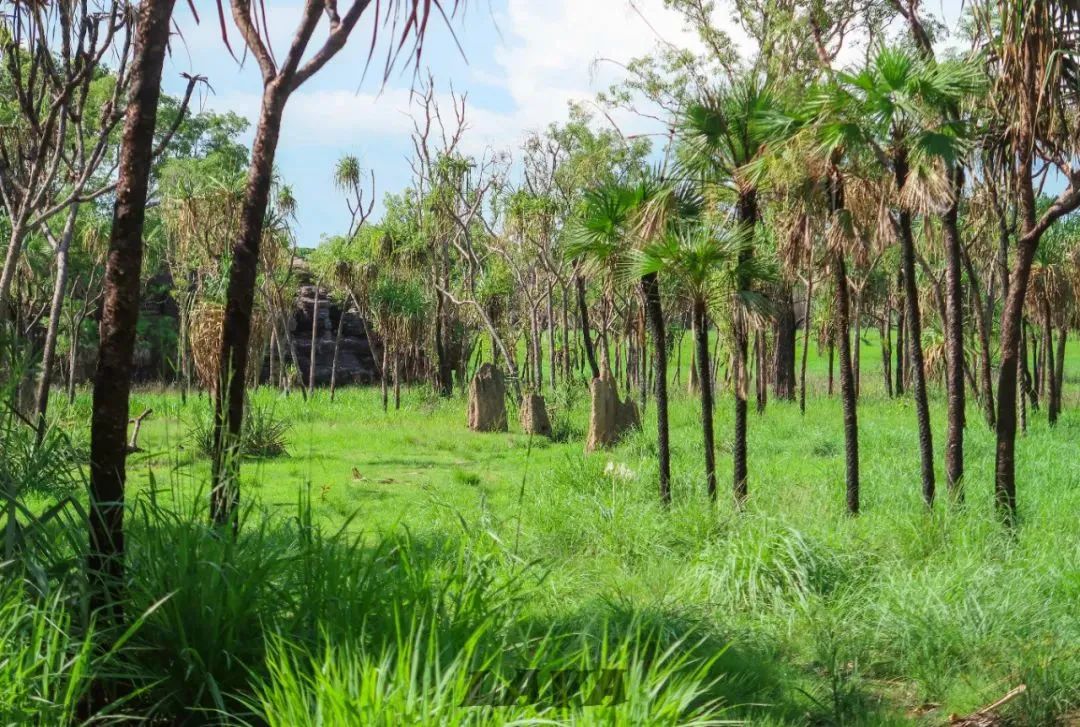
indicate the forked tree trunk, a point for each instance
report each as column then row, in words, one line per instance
column 701, row 359
column 651, row 289
column 120, row 312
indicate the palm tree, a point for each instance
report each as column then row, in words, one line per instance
column 615, row 215
column 720, row 139
column 894, row 110
column 711, row 266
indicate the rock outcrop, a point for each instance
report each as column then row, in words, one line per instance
column 487, row 400
column 356, row 363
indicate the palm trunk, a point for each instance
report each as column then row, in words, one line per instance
column 857, row 346
column 784, row 359
column 847, row 385
column 583, row 315
column 701, row 335
column 954, row 342
column 651, row 288
column 240, row 297
column 832, row 363
column 914, row 339
column 120, row 312
column 748, row 217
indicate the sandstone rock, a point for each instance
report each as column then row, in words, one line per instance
column 534, row 416
column 487, row 400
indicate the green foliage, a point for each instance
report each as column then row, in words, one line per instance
column 264, row 432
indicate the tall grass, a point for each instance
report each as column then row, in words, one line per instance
column 787, row 613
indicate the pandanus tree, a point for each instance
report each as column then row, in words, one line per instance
column 1031, row 48
column 720, row 139
column 615, row 219
column 707, row 260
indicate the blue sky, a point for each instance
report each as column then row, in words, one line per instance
column 524, row 61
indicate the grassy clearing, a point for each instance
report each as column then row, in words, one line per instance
column 456, row 551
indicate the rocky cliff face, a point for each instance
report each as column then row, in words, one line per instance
column 356, row 363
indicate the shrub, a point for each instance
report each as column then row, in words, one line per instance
column 263, row 433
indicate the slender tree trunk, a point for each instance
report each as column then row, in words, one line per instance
column 784, row 358
column 1058, row 376
column 847, row 385
column 806, row 339
column 983, row 325
column 748, row 218
column 566, row 360
column 583, row 316
column 886, row 350
column 651, row 289
column 901, row 343
column 857, row 346
column 337, row 348
column 914, row 337
column 397, row 380
column 240, row 298
column 551, row 334
column 73, row 357
column 701, row 334
column 48, row 359
column 954, row 342
column 385, row 376
column 314, row 341
column 832, row 356
column 1027, row 379
column 120, row 312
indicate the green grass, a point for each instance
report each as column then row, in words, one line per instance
column 455, row 548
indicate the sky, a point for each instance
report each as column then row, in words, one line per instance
column 521, row 62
